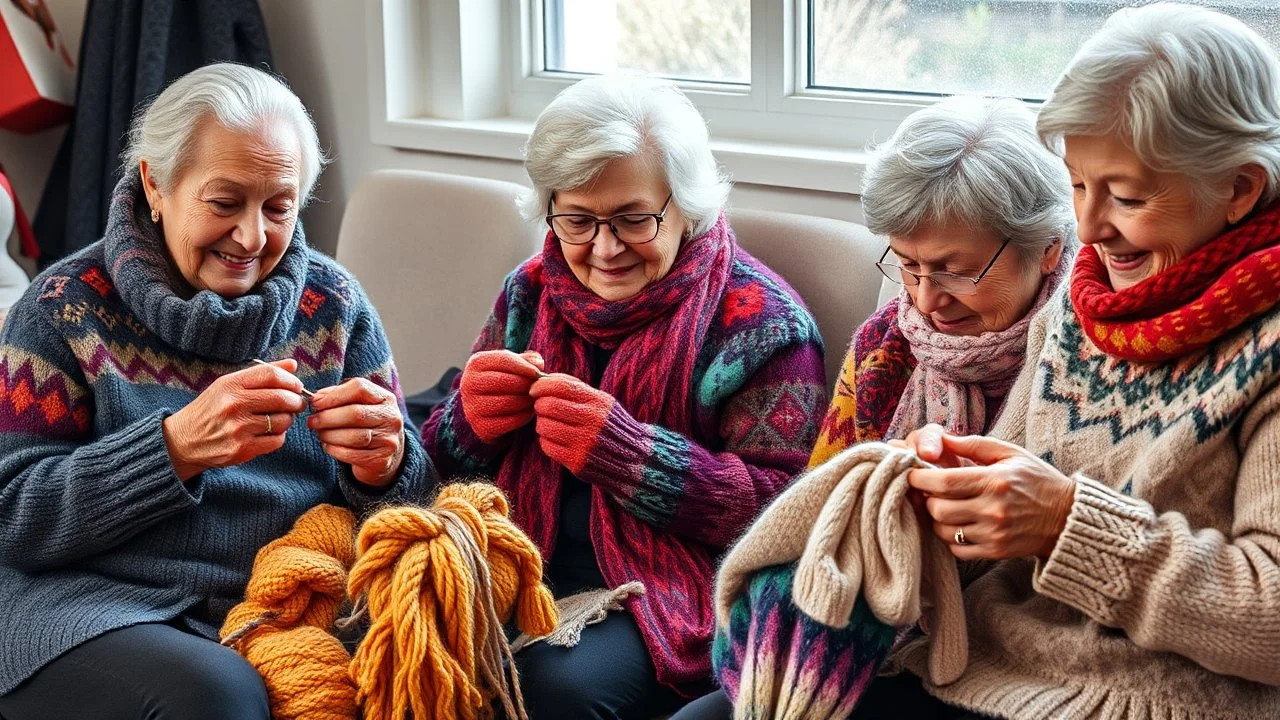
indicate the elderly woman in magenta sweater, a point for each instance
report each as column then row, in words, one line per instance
column 642, row 390
column 144, row 458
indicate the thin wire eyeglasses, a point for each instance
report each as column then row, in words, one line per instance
column 950, row 283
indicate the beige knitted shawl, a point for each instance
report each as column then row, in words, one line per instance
column 849, row 525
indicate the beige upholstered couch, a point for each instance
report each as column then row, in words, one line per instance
column 431, row 251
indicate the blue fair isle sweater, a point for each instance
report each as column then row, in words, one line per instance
column 96, row 530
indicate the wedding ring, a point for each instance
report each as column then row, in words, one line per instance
column 368, row 438
column 269, row 424
column 960, row 537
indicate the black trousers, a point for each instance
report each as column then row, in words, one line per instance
column 144, row 672
column 887, row 698
column 607, row 675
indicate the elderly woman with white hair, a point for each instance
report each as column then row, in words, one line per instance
column 1129, row 494
column 144, row 455
column 643, row 388
column 978, row 217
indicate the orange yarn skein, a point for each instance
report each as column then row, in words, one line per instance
column 437, row 584
column 291, row 603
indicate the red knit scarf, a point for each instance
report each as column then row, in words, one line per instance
column 655, row 337
column 1217, row 288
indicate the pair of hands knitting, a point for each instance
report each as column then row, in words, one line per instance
column 502, row 392
column 1008, row 502
column 357, row 423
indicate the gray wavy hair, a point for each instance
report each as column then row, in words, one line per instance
column 603, row 118
column 1190, row 90
column 237, row 97
column 972, row 160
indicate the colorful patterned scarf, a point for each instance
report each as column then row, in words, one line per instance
column 655, row 336
column 1217, row 288
column 956, row 375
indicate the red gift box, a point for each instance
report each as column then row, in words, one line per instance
column 37, row 76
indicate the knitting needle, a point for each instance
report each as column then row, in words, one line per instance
column 304, row 393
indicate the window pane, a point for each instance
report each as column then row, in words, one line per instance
column 996, row 47
column 684, row 39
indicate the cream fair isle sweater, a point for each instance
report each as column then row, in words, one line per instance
column 1162, row 596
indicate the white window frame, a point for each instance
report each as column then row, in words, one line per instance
column 467, row 77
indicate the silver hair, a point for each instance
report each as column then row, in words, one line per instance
column 972, row 160
column 603, row 118
column 237, row 97
column 1190, row 90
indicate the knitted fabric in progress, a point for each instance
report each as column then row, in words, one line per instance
column 666, row 500
column 853, row 534
column 436, row 586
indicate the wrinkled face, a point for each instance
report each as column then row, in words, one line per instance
column 607, row 266
column 230, row 216
column 1141, row 221
column 1002, row 297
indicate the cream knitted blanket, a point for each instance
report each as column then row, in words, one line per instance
column 850, row 528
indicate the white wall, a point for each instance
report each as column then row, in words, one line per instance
column 320, row 46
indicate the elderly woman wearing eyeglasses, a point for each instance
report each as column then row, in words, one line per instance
column 643, row 388
column 978, row 216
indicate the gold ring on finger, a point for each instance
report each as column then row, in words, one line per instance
column 959, row 536
column 269, row 424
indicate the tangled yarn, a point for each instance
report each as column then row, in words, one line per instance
column 283, row 626
column 436, row 586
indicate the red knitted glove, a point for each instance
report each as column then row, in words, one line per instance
column 495, row 391
column 570, row 414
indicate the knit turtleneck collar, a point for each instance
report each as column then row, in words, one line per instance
column 232, row 330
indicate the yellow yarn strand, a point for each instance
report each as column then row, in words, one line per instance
column 436, row 586
column 282, row 628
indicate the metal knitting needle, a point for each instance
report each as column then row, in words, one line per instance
column 304, row 393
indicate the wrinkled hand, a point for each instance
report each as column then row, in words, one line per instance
column 570, row 416
column 1008, row 502
column 495, row 391
column 359, row 423
column 227, row 424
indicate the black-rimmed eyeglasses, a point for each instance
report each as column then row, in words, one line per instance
column 950, row 283
column 630, row 228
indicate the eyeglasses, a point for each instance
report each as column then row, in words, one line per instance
column 630, row 228
column 950, row 283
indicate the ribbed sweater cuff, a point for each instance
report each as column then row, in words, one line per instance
column 620, row 453
column 1094, row 564
column 416, row 474
column 134, row 479
column 644, row 466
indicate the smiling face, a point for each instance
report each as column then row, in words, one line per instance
column 607, row 266
column 230, row 215
column 1003, row 296
column 1142, row 221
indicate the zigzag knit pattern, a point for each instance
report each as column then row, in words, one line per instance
column 759, row 388
column 99, row 532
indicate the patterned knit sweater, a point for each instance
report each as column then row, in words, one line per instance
column 1162, row 596
column 760, row 389
column 873, row 376
column 96, row 530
